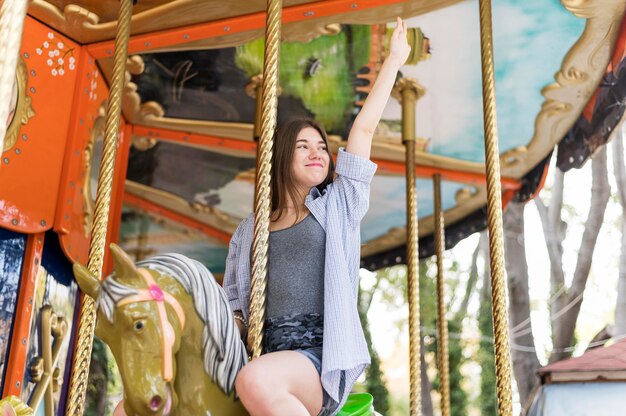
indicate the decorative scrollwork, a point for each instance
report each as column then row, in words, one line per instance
column 93, row 148
column 21, row 105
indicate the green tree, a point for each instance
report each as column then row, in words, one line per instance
column 374, row 382
column 485, row 357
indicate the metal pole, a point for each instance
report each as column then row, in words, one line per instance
column 264, row 165
column 442, row 322
column 408, row 91
column 86, row 325
column 494, row 216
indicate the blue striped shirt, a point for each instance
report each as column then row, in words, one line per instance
column 339, row 210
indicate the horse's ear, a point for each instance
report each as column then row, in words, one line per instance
column 87, row 282
column 123, row 266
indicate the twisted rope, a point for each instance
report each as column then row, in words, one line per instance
column 264, row 165
column 494, row 216
column 86, row 326
column 442, row 328
column 12, row 14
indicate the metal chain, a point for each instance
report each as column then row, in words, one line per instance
column 86, row 326
column 263, row 172
column 494, row 216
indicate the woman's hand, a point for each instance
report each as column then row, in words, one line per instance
column 362, row 132
column 399, row 48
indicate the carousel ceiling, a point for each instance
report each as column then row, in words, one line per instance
column 190, row 98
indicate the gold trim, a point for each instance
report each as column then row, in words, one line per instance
column 212, row 217
column 581, row 71
column 143, row 143
column 23, row 108
column 89, row 203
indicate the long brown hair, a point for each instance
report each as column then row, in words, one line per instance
column 282, row 176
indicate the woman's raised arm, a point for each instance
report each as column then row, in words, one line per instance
column 362, row 132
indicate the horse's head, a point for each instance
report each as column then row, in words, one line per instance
column 142, row 324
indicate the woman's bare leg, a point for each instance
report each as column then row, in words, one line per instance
column 280, row 383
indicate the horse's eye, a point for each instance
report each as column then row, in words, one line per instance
column 138, row 325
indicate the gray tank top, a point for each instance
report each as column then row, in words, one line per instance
column 296, row 269
column 295, row 290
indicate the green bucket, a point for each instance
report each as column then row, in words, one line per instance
column 358, row 404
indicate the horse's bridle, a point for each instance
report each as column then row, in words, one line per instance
column 155, row 293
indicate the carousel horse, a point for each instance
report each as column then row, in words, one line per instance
column 172, row 333
column 12, row 406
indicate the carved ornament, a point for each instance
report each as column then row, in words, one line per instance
column 43, row 369
column 22, row 108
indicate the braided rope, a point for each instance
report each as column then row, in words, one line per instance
column 494, row 216
column 12, row 14
column 86, row 326
column 264, row 165
column 442, row 327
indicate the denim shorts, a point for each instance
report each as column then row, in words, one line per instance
column 315, row 355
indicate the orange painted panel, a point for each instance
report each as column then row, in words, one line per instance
column 31, row 168
column 83, row 150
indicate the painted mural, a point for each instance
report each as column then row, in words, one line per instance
column 55, row 289
column 12, row 247
column 143, row 235
column 318, row 80
column 531, row 38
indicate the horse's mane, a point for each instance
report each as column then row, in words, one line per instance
column 224, row 352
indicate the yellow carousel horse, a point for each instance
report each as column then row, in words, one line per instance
column 172, row 332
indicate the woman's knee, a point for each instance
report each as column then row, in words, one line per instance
column 252, row 385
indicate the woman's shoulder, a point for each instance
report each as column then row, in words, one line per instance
column 243, row 225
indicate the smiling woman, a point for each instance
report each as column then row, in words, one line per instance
column 302, row 160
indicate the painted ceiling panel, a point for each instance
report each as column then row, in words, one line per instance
column 531, row 39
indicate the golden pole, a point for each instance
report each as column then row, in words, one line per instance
column 86, row 326
column 264, row 165
column 494, row 214
column 12, row 14
column 442, row 328
column 408, row 91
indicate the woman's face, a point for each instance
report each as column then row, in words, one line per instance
column 310, row 159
